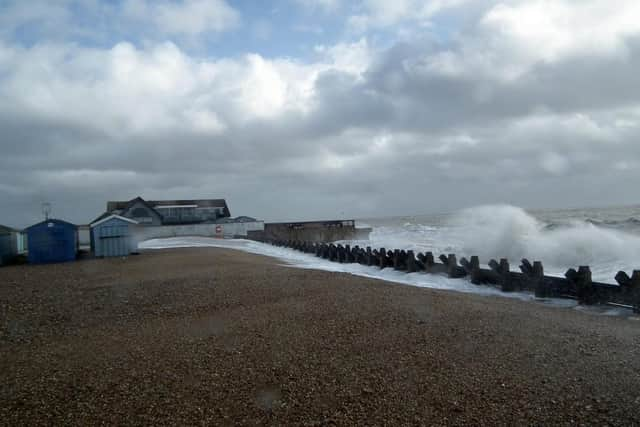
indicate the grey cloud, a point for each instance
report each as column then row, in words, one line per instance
column 400, row 138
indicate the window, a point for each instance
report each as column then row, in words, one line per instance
column 140, row 213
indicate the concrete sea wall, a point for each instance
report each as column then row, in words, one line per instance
column 225, row 230
column 311, row 231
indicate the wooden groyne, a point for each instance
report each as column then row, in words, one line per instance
column 576, row 285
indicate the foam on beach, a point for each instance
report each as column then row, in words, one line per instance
column 308, row 261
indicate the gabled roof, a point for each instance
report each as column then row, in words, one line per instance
column 109, row 217
column 104, row 215
column 57, row 221
column 201, row 203
column 125, row 206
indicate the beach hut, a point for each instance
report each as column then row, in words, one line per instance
column 113, row 235
column 8, row 244
column 52, row 240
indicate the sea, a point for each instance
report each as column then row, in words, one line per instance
column 605, row 239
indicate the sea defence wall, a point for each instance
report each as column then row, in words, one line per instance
column 223, row 230
column 311, row 231
column 576, row 284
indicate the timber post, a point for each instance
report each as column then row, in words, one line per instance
column 542, row 289
column 474, row 263
column 382, row 258
column 583, row 285
column 396, row 259
column 505, row 273
column 411, row 262
column 429, row 262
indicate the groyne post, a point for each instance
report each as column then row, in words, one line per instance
column 429, row 262
column 382, row 257
column 582, row 284
column 474, row 264
column 396, row 259
column 369, row 256
column 356, row 255
column 333, row 252
column 411, row 262
column 473, row 269
column 507, row 284
column 453, row 269
column 542, row 289
column 630, row 288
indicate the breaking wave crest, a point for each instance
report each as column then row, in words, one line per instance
column 503, row 231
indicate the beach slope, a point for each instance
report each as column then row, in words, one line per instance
column 221, row 337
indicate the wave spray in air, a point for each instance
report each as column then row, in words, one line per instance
column 607, row 242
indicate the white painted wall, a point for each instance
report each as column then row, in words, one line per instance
column 226, row 231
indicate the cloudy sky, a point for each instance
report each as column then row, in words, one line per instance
column 309, row 109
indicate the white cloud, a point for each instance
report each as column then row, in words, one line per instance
column 354, row 58
column 196, row 16
column 186, row 17
column 127, row 89
column 385, row 13
column 324, row 5
column 554, row 163
column 514, row 109
column 550, row 30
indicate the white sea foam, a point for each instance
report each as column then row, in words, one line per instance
column 512, row 233
column 561, row 240
column 301, row 260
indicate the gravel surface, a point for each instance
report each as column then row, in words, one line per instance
column 216, row 337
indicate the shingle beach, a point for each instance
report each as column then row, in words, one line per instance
column 208, row 336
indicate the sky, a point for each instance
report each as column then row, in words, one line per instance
column 318, row 109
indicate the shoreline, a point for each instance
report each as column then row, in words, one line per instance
column 419, row 279
column 207, row 335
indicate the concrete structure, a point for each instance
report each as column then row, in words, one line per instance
column 312, row 231
column 225, row 230
column 114, row 236
column 52, row 240
column 171, row 212
column 8, row 244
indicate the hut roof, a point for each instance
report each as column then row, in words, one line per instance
column 57, row 221
column 109, row 217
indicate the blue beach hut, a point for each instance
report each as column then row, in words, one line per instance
column 52, row 240
column 113, row 235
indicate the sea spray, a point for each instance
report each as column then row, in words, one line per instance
column 561, row 239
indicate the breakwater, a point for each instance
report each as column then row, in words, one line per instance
column 310, row 231
column 577, row 283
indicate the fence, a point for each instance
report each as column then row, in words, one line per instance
column 576, row 284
